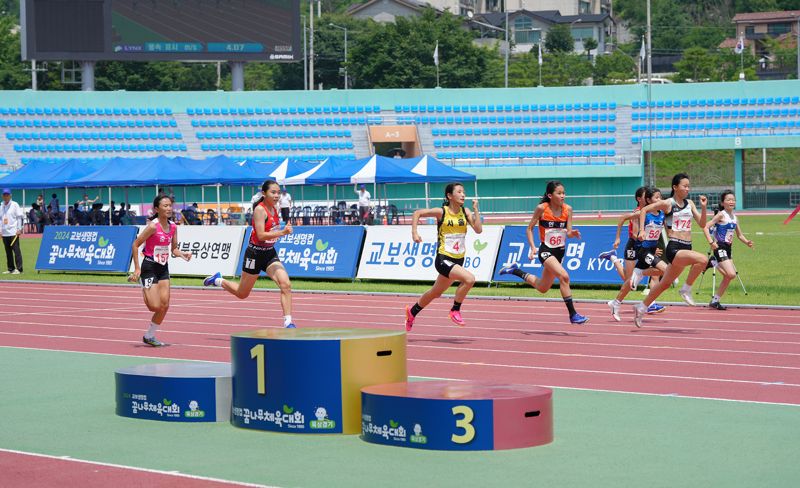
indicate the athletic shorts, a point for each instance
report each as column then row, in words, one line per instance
column 631, row 249
column 723, row 252
column 674, row 246
column 152, row 272
column 444, row 264
column 646, row 257
column 546, row 252
column 258, row 259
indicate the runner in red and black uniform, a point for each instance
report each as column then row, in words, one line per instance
column 260, row 254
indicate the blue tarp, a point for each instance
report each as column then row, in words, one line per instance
column 39, row 174
column 222, row 169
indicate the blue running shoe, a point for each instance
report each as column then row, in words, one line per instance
column 212, row 279
column 607, row 254
column 289, row 326
column 578, row 319
column 509, row 269
column 655, row 308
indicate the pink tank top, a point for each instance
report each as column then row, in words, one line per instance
column 159, row 245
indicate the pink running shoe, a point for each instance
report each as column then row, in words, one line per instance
column 455, row 316
column 409, row 319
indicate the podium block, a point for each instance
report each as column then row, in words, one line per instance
column 457, row 416
column 175, row 392
column 308, row 380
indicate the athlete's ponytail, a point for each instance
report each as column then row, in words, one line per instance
column 157, row 203
column 640, row 192
column 550, row 189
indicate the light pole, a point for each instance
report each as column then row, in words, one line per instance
column 345, row 50
column 471, row 14
column 649, row 97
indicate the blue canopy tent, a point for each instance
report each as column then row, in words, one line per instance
column 383, row 170
column 436, row 171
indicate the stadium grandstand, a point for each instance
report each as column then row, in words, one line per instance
column 511, row 139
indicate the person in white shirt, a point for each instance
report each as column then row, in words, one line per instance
column 285, row 204
column 363, row 204
column 12, row 218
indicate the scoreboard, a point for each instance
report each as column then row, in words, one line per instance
column 153, row 30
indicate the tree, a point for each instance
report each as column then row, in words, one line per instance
column 589, row 44
column 696, row 65
column 400, row 55
column 12, row 70
column 613, row 68
column 563, row 69
column 559, row 39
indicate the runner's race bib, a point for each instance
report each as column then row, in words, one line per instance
column 161, row 254
column 454, row 243
column 729, row 236
column 682, row 224
column 554, row 238
column 652, row 232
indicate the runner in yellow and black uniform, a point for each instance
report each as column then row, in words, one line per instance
column 452, row 220
column 554, row 218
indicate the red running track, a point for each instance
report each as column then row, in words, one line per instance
column 739, row 354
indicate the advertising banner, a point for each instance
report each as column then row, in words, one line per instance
column 580, row 257
column 325, row 251
column 213, row 247
column 90, row 248
column 390, row 253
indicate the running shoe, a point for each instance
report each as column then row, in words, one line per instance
column 290, row 326
column 409, row 319
column 717, row 305
column 636, row 278
column 455, row 316
column 639, row 311
column 152, row 341
column 509, row 269
column 577, row 318
column 614, row 306
column 655, row 308
column 212, row 279
column 607, row 254
column 687, row 296
column 16, row 271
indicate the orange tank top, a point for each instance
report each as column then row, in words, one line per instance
column 552, row 229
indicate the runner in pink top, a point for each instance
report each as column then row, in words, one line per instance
column 160, row 239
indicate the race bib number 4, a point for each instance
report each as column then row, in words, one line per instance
column 555, row 237
column 454, row 243
column 161, row 254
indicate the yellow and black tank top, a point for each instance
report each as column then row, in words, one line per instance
column 452, row 233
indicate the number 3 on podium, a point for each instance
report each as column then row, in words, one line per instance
column 465, row 423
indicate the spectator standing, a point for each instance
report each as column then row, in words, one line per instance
column 86, row 204
column 285, row 204
column 363, row 204
column 12, row 219
column 56, row 206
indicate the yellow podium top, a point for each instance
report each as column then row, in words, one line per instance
column 319, row 333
